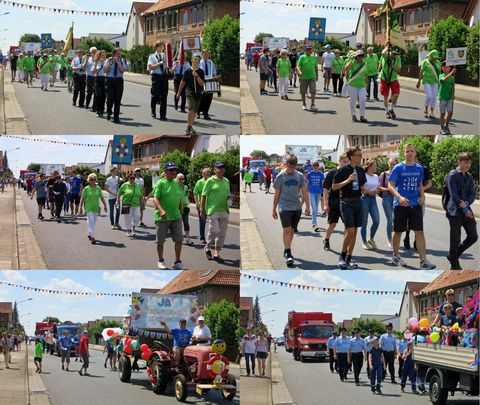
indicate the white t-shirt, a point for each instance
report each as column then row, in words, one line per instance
column 202, row 333
column 139, row 181
column 327, row 59
column 113, row 184
column 249, row 343
column 372, row 182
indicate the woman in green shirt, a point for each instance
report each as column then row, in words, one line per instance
column 186, row 208
column 429, row 73
column 356, row 71
column 20, row 68
column 284, row 72
column 131, row 194
column 337, row 73
column 91, row 196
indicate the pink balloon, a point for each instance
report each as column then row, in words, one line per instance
column 413, row 322
column 428, row 340
column 408, row 336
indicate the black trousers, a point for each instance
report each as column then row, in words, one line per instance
column 183, row 96
column 333, row 362
column 342, row 359
column 456, row 246
column 90, row 91
column 58, row 205
column 337, row 80
column 357, row 361
column 205, row 103
column 390, row 364
column 79, row 89
column 400, row 366
column 114, row 88
column 100, row 94
column 159, row 92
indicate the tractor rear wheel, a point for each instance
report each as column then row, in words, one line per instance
column 124, row 368
column 160, row 372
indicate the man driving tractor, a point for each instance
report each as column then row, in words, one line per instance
column 181, row 339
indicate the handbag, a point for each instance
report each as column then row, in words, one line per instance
column 380, row 194
column 126, row 207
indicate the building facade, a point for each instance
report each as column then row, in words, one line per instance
column 246, row 311
column 365, row 23
column 135, row 31
column 6, row 309
column 409, row 304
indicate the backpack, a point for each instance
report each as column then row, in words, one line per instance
column 445, row 192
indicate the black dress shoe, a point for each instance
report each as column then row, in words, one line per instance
column 81, row 106
column 163, row 119
column 198, row 115
column 154, row 115
column 207, row 117
column 109, row 116
column 116, row 120
column 183, row 110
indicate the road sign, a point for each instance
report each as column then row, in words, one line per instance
column 456, row 56
column 122, row 149
column 46, row 41
column 316, row 31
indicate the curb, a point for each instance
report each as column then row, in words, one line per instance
column 251, row 121
column 3, row 121
column 15, row 121
column 280, row 392
column 37, row 392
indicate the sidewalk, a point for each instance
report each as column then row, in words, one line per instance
column 280, row 393
column 230, row 95
column 12, row 118
column 251, row 121
column 256, row 390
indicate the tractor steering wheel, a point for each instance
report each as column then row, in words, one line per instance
column 160, row 345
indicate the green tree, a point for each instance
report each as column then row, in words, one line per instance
column 410, row 57
column 222, row 38
column 329, row 164
column 15, row 317
column 274, row 157
column 259, row 37
column 181, row 159
column 448, row 33
column 138, row 57
column 223, row 320
column 445, row 154
column 257, row 314
column 51, row 319
column 424, row 147
column 382, row 163
column 319, row 47
column 472, row 51
column 365, row 324
column 99, row 43
column 30, row 38
column 259, row 154
column 34, row 167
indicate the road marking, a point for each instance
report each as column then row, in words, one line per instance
column 417, row 92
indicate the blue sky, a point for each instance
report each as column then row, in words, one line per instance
column 276, row 143
column 292, row 22
column 22, row 20
column 343, row 305
column 76, row 308
column 46, row 152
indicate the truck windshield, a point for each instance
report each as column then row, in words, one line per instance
column 256, row 164
column 317, row 331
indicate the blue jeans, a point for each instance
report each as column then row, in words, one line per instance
column 66, row 203
column 186, row 225
column 111, row 204
column 376, row 373
column 314, row 201
column 369, row 205
column 387, row 203
column 375, row 86
column 409, row 371
column 250, row 357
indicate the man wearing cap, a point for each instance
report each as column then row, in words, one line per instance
column 83, row 351
column 390, row 65
column 167, row 198
column 372, row 71
column 201, row 332
column 358, row 351
column 341, row 352
column 215, row 195
column 181, row 339
column 369, row 343
column 331, row 355
column 264, row 71
column 450, row 299
column 388, row 342
column 307, row 69
column 430, row 70
column 139, row 180
column 356, row 72
column 326, row 67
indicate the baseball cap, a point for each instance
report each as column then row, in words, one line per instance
column 137, row 169
column 359, row 53
column 182, row 320
column 359, row 44
column 218, row 163
column 395, row 50
column 308, row 47
column 328, row 46
column 170, row 166
column 201, row 318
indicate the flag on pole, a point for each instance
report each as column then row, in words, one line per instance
column 386, row 6
column 396, row 37
column 69, row 41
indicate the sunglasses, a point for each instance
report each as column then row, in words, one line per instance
column 132, row 178
column 450, row 295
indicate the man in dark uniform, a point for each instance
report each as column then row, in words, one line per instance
column 342, row 354
column 179, row 70
column 210, row 72
column 79, row 79
column 157, row 66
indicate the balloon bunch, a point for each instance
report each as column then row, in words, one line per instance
column 422, row 332
column 113, row 336
column 146, row 352
column 129, row 345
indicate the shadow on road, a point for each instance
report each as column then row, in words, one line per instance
column 111, row 244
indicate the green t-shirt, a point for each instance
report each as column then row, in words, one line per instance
column 38, row 350
column 131, row 194
column 387, row 70
column 69, row 71
column 283, row 66
column 45, row 66
column 54, row 58
column 372, row 64
column 337, row 65
column 169, row 195
column 91, row 196
column 20, row 63
column 429, row 76
column 198, row 189
column 29, row 63
column 248, row 177
column 307, row 65
column 445, row 87
column 359, row 80
column 185, row 201
column 216, row 192
column 63, row 61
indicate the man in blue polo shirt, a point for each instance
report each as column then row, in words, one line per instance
column 76, row 187
column 341, row 352
column 357, row 350
column 330, row 346
column 406, row 185
column 65, row 342
column 388, row 342
column 181, row 338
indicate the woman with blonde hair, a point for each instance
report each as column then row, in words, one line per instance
column 261, row 352
column 91, row 196
column 284, row 72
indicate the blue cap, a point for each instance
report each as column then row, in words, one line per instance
column 218, row 163
column 170, row 166
column 328, row 46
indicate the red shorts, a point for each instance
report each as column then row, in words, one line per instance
column 386, row 87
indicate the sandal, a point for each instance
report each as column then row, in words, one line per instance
column 432, row 117
column 425, row 114
column 218, row 259
column 208, row 253
column 354, row 118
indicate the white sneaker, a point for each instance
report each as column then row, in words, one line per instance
column 161, row 265
column 366, row 246
column 304, row 107
column 372, row 243
column 188, row 241
column 398, row 261
column 129, row 233
column 389, row 244
column 177, row 265
column 426, row 265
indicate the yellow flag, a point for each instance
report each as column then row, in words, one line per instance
column 68, row 41
column 396, row 37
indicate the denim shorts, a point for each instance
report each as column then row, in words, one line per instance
column 352, row 213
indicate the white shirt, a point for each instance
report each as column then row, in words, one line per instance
column 155, row 58
column 202, row 333
column 327, row 59
column 372, row 182
column 77, row 62
column 113, row 184
column 212, row 71
column 249, row 343
column 89, row 66
column 139, row 181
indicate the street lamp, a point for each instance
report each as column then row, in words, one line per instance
column 28, row 313
column 8, row 12
column 268, row 295
column 266, row 312
column 10, row 150
column 28, row 299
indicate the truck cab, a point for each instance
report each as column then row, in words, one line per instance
column 311, row 340
column 255, row 165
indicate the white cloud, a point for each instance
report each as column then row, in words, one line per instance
column 135, row 280
column 388, row 306
column 14, row 276
column 344, row 25
column 322, row 279
column 66, row 284
column 404, row 276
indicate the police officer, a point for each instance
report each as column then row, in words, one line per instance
column 90, row 78
column 369, row 343
column 331, row 355
column 341, row 352
column 210, row 72
column 78, row 68
column 401, row 347
column 114, row 69
column 178, row 70
column 357, row 349
column 157, row 65
column 388, row 343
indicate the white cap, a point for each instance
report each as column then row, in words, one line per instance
column 201, row 318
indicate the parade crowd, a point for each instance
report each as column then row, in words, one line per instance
column 10, row 342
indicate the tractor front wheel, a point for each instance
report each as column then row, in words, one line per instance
column 124, row 368
column 181, row 388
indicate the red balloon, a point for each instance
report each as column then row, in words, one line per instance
column 129, row 340
column 127, row 349
column 145, row 356
column 144, row 347
column 110, row 332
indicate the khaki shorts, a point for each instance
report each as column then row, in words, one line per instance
column 306, row 85
column 175, row 227
column 193, row 103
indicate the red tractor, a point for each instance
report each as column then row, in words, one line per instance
column 202, row 367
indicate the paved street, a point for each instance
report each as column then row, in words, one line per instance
column 307, row 247
column 52, row 113
column 65, row 245
column 308, row 382
column 104, row 386
column 333, row 114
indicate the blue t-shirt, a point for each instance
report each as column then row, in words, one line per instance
column 308, row 168
column 315, row 182
column 65, row 342
column 75, row 184
column 181, row 337
column 408, row 180
column 376, row 356
column 76, row 340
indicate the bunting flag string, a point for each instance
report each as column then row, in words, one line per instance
column 303, row 5
column 147, row 333
column 327, row 289
column 27, row 138
column 60, row 292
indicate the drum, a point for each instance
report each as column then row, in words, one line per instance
column 211, row 86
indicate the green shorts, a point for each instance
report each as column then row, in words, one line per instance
column 193, row 103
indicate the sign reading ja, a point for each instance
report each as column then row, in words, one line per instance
column 456, row 56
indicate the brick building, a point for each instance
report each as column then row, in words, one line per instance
column 6, row 309
column 246, row 311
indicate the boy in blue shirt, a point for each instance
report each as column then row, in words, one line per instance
column 406, row 185
column 181, row 339
column 376, row 364
column 315, row 180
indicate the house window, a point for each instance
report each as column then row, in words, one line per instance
column 420, row 16
column 201, row 15
column 193, row 16
column 164, row 25
column 426, row 15
column 157, row 148
column 412, row 18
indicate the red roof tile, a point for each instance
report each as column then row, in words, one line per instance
column 191, row 279
column 141, row 6
column 145, row 138
column 451, row 278
column 166, row 4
